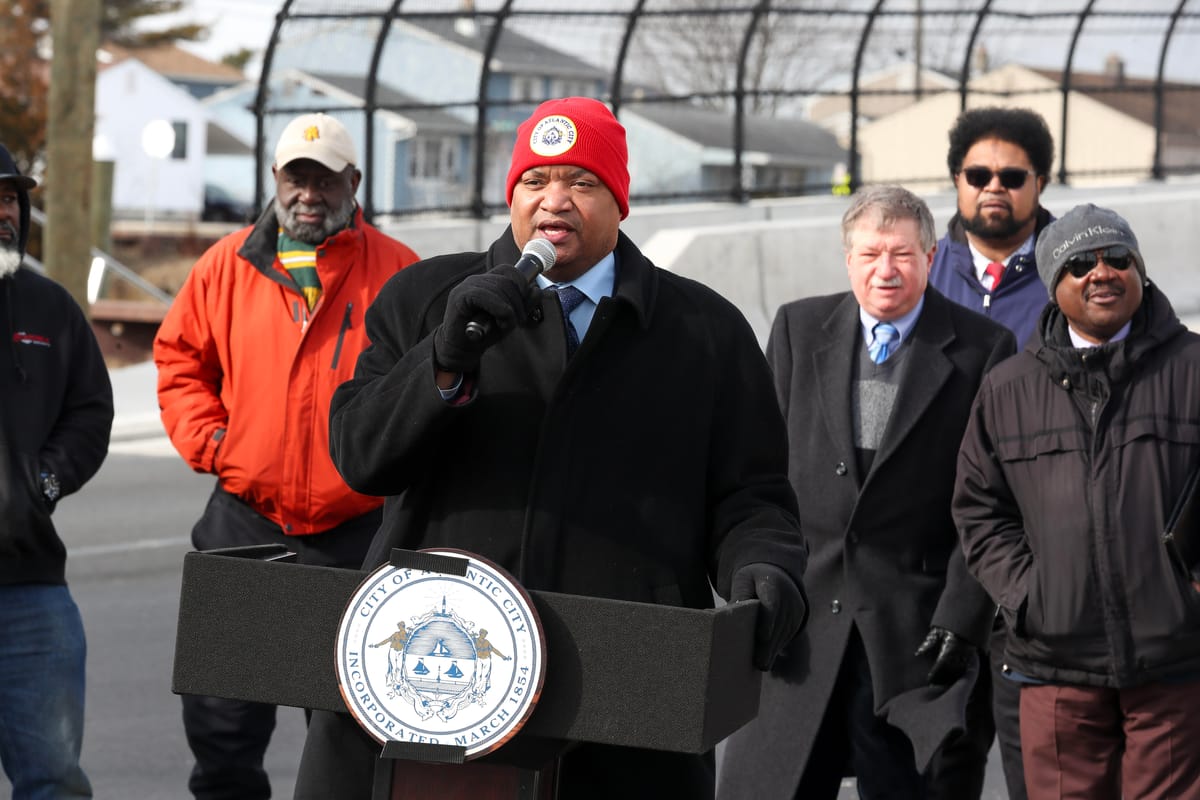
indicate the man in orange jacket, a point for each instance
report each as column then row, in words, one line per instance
column 267, row 325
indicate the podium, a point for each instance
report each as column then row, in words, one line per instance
column 252, row 627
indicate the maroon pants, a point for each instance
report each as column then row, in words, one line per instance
column 1094, row 743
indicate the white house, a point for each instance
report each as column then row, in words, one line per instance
column 161, row 85
column 129, row 97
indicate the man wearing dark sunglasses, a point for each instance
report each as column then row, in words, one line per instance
column 1098, row 292
column 1075, row 454
column 999, row 159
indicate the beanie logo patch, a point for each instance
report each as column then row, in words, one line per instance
column 553, row 136
column 1086, row 233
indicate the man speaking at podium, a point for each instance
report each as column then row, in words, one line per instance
column 606, row 429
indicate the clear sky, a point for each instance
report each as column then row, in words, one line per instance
column 233, row 24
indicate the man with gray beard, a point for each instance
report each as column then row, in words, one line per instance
column 54, row 426
column 267, row 325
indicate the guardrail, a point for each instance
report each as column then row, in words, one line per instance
column 103, row 264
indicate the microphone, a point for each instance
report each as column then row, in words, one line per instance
column 537, row 256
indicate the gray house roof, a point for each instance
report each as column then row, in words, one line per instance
column 222, row 142
column 426, row 119
column 792, row 141
column 515, row 53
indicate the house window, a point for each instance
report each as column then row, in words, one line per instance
column 434, row 158
column 525, row 87
column 449, row 158
column 180, row 151
column 566, row 88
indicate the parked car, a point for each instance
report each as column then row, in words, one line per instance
column 221, row 206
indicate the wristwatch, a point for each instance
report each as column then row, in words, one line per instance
column 51, row 488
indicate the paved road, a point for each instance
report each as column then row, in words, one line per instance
column 126, row 534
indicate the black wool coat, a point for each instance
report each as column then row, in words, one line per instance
column 884, row 553
column 648, row 467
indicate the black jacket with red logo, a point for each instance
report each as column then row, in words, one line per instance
column 56, row 411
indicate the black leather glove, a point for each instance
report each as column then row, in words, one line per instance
column 501, row 296
column 952, row 655
column 783, row 611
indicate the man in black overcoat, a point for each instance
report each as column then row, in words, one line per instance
column 876, row 385
column 612, row 434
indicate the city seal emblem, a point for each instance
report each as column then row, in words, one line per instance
column 441, row 647
column 553, row 136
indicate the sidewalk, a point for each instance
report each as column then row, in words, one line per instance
column 135, row 403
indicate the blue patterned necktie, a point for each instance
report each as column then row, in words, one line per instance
column 885, row 336
column 570, row 298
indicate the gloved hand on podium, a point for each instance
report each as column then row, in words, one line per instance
column 783, row 609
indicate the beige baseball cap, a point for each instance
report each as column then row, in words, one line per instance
column 319, row 137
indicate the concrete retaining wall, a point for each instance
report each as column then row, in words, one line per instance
column 767, row 253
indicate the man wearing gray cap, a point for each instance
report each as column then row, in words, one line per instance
column 1075, row 454
column 268, row 323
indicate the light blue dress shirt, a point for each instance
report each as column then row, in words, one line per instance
column 596, row 283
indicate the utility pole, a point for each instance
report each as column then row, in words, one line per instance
column 918, row 46
column 75, row 33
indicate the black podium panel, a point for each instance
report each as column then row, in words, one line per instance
column 631, row 674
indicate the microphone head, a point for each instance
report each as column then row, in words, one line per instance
column 542, row 250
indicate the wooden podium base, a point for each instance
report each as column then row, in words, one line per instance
column 470, row 781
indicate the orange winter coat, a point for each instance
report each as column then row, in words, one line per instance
column 246, row 372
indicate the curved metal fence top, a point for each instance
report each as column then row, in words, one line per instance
column 731, row 88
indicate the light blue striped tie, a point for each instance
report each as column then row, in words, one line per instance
column 885, row 336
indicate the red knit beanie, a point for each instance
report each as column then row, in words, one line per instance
column 578, row 131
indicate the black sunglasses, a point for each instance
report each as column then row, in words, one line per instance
column 1117, row 257
column 1010, row 177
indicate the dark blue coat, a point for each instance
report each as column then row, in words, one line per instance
column 1021, row 296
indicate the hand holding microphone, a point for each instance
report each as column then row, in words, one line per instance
column 483, row 308
column 537, row 256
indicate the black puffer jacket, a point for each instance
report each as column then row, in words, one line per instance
column 56, row 412
column 1070, row 465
